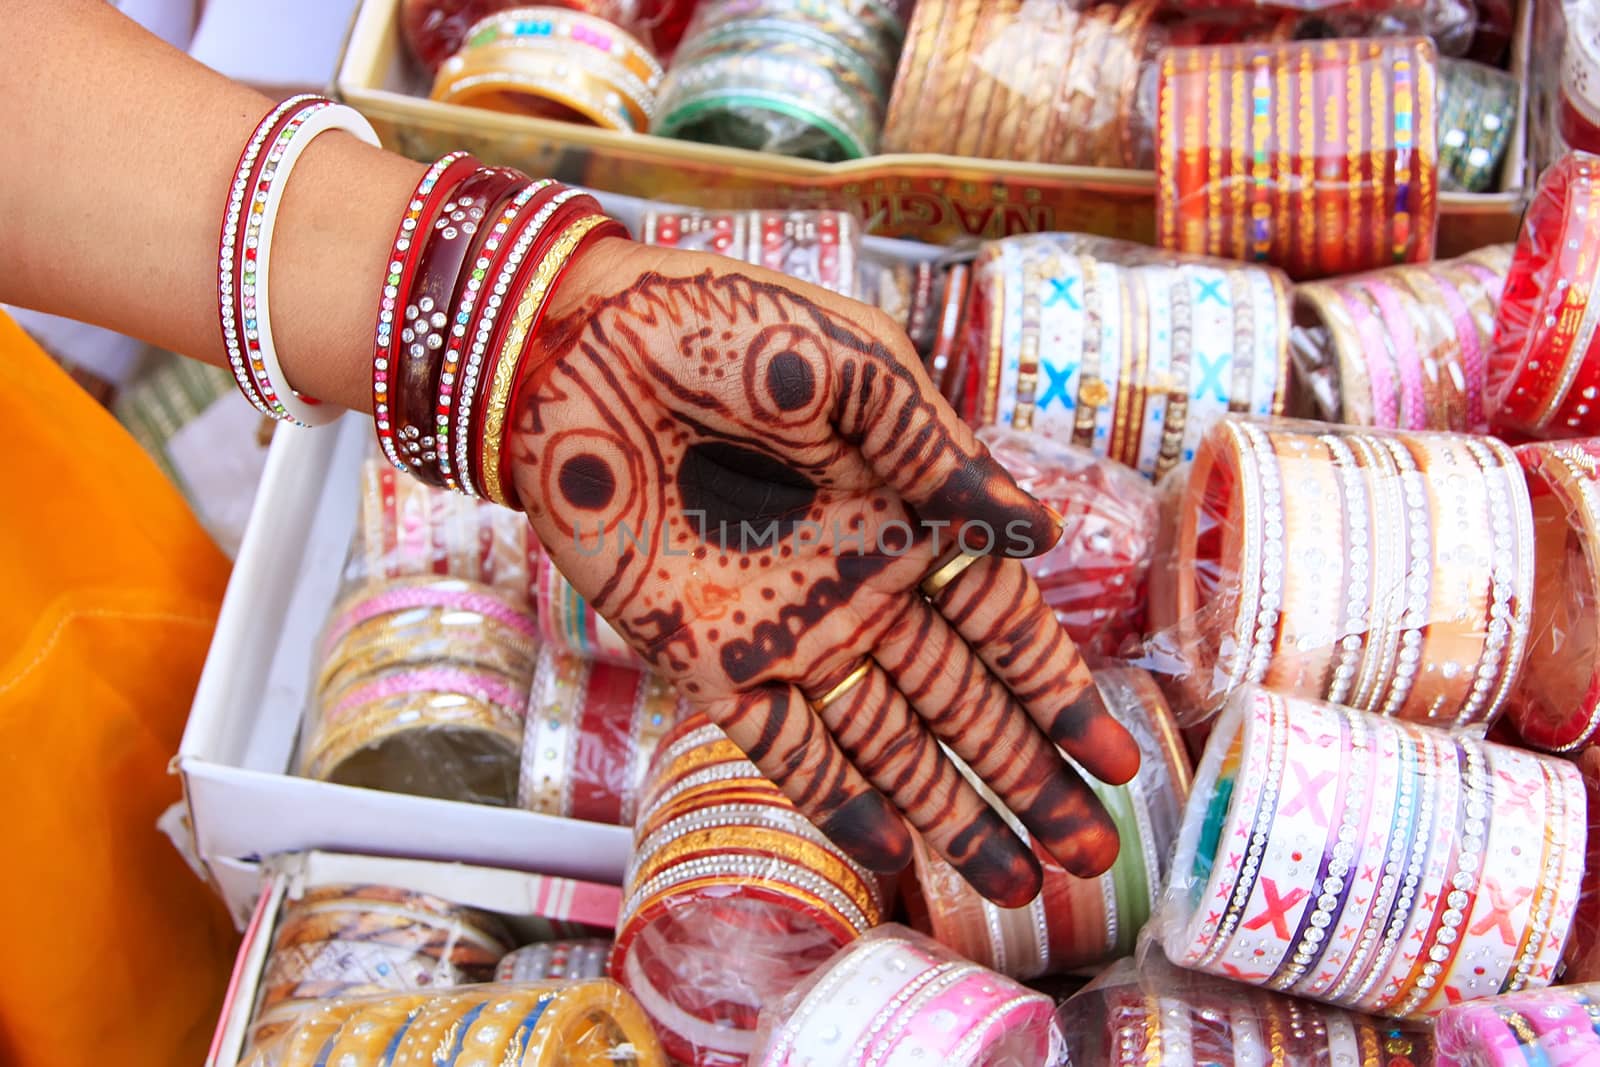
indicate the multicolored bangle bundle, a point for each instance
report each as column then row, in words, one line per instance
column 1319, row 157
column 1544, row 368
column 356, row 940
column 895, row 998
column 554, row 62
column 244, row 255
column 1477, row 115
column 1405, row 347
column 1551, row 1027
column 1122, row 350
column 1390, row 572
column 421, row 687
column 1075, row 922
column 1155, row 1015
column 1034, row 83
column 566, row 960
column 724, row 867
column 1371, row 863
column 820, row 247
column 1556, row 704
column 550, row 1024
column 809, row 79
column 591, row 731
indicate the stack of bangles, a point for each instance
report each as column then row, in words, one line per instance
column 556, row 63
column 571, row 960
column 591, row 1023
column 1387, row 571
column 1135, row 1019
column 809, row 79
column 1075, row 923
column 1320, row 156
column 893, row 997
column 1128, row 352
column 1025, row 82
column 1578, row 117
column 820, row 247
column 1477, row 114
column 476, row 256
column 1407, row 346
column 1552, row 1027
column 353, row 940
column 421, row 687
column 592, row 729
column 1544, row 368
column 725, row 868
column 1296, row 809
column 1582, row 960
column 408, row 529
column 1556, row 704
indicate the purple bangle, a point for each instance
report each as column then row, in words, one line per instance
column 490, row 687
column 1409, row 361
column 434, row 595
column 1380, row 368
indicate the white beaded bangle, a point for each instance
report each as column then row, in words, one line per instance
column 289, row 405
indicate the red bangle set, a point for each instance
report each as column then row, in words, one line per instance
column 473, row 240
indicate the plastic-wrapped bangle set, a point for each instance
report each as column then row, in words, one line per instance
column 1403, row 347
column 807, row 79
column 1075, row 922
column 724, row 867
column 1391, row 572
column 820, row 247
column 1319, row 157
column 1372, row 863
column 1128, row 352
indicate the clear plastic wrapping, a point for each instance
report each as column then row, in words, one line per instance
column 1578, row 120
column 731, row 898
column 591, row 1023
column 567, row 960
column 1544, row 367
column 1263, row 154
column 897, row 997
column 1477, row 116
column 808, row 80
column 1150, row 1012
column 1556, row 703
column 1582, row 960
column 1405, row 347
column 1026, row 81
column 421, row 686
column 1370, row 863
column 1125, row 350
column 1549, row 1027
column 1094, row 578
column 1389, row 571
column 353, row 940
column 559, row 62
column 591, row 730
column 820, row 247
column 434, row 30
column 1074, row 923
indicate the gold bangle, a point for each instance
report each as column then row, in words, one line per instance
column 945, row 573
column 505, row 371
column 850, row 681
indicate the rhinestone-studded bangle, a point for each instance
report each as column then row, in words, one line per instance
column 245, row 252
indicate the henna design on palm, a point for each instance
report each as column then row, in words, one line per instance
column 748, row 477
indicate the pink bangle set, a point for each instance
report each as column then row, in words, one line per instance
column 447, row 594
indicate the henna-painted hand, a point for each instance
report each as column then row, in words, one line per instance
column 749, row 477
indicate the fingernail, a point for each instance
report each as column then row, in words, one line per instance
column 870, row 830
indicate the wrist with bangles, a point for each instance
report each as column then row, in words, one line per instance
column 477, row 257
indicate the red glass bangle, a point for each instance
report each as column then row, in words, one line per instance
column 428, row 313
column 437, row 184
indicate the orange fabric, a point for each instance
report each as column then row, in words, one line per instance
column 114, row 952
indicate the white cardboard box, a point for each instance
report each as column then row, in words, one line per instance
column 509, row 894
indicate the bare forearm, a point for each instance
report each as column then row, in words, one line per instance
column 119, row 153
